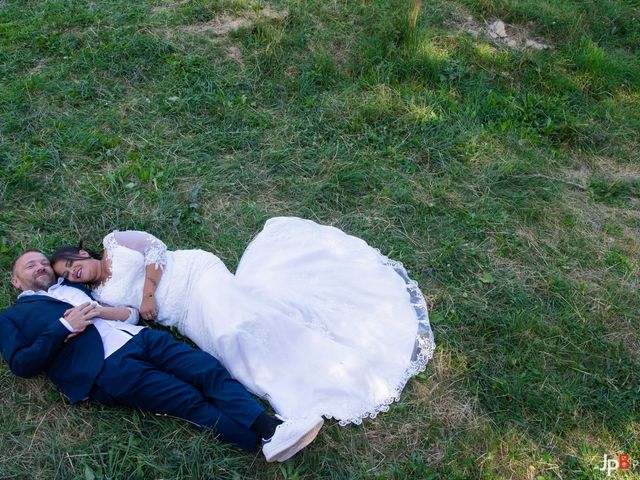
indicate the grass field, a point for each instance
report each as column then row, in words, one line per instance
column 505, row 178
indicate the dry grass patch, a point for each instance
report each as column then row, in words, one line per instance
column 37, row 68
column 406, row 431
column 233, row 52
column 610, row 227
column 223, row 25
column 441, row 396
column 589, row 447
column 602, row 165
column 38, row 412
column 396, row 440
column 168, row 6
column 219, row 28
column 517, row 456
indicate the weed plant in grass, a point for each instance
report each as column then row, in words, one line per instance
column 506, row 180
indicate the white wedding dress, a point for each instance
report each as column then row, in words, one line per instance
column 314, row 321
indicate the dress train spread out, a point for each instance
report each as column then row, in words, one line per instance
column 314, row 321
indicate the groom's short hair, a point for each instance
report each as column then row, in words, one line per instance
column 13, row 265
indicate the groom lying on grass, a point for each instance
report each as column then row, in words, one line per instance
column 96, row 352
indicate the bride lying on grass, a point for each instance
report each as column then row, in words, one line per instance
column 315, row 321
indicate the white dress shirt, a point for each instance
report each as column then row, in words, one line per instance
column 114, row 333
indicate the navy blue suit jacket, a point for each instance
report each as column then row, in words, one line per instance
column 32, row 340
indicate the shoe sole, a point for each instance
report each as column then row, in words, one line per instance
column 303, row 442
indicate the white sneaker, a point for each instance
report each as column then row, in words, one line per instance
column 291, row 437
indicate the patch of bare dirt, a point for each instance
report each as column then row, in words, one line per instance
column 218, row 28
column 274, row 14
column 234, row 53
column 602, row 164
column 37, row 68
column 513, row 36
column 221, row 25
column 225, row 24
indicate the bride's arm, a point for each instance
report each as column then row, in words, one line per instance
column 123, row 314
column 148, row 307
column 155, row 258
column 107, row 312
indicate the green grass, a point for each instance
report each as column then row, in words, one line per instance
column 507, row 181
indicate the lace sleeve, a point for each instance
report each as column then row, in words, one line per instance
column 153, row 249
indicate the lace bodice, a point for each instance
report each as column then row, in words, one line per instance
column 130, row 252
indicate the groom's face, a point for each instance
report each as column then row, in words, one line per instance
column 32, row 271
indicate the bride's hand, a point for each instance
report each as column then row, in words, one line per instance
column 148, row 308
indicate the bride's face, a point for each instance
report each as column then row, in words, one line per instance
column 82, row 270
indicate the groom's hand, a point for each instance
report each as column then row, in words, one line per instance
column 81, row 316
column 70, row 336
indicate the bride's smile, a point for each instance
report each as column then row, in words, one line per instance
column 81, row 269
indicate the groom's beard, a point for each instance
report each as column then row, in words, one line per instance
column 42, row 281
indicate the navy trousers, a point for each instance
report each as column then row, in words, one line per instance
column 155, row 372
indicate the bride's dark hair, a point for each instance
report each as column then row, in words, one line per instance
column 72, row 253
